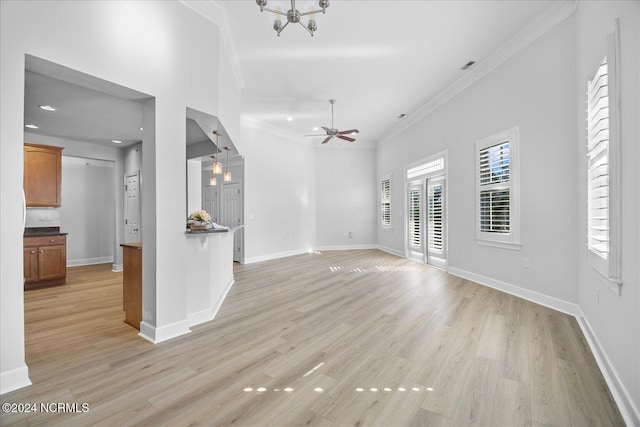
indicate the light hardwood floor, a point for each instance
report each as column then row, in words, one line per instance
column 333, row 339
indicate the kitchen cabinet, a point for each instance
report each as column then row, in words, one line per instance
column 42, row 175
column 132, row 283
column 45, row 261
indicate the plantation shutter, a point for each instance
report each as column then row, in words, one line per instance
column 598, row 161
column 494, row 180
column 415, row 234
column 435, row 219
column 385, row 201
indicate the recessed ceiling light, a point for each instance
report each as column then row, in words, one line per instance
column 141, row 128
column 47, row 107
column 30, row 126
column 116, row 141
column 289, row 119
column 316, row 128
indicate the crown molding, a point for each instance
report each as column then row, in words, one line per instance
column 531, row 32
column 215, row 12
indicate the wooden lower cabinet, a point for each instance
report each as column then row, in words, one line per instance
column 132, row 283
column 45, row 261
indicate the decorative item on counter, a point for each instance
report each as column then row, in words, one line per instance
column 199, row 220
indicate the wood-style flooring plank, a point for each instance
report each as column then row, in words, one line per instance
column 328, row 339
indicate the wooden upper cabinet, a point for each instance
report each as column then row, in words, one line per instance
column 42, row 175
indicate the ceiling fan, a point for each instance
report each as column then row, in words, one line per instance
column 335, row 133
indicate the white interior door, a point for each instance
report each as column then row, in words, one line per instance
column 211, row 202
column 435, row 222
column 132, row 207
column 232, row 214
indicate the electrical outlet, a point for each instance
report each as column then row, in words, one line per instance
column 525, row 262
column 351, row 234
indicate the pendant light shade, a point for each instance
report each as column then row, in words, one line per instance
column 227, row 174
column 213, row 180
column 217, row 167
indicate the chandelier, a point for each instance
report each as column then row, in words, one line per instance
column 293, row 15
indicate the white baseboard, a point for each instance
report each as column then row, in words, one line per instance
column 163, row 333
column 345, row 247
column 209, row 314
column 277, row 255
column 89, row 261
column 116, row 268
column 14, row 379
column 533, row 296
column 628, row 410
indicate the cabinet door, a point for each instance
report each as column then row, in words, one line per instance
column 52, row 262
column 30, row 256
column 42, row 175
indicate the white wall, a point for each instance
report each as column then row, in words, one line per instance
column 613, row 321
column 88, row 210
column 280, row 209
column 345, row 195
column 147, row 46
column 533, row 90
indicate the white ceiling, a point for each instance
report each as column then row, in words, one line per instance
column 378, row 59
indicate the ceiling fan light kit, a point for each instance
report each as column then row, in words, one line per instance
column 293, row 16
column 335, row 133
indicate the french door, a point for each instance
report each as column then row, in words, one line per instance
column 435, row 222
column 426, row 225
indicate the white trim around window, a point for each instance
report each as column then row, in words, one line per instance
column 498, row 190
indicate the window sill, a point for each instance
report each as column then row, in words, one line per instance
column 614, row 286
column 502, row 245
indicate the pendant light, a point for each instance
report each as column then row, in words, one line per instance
column 217, row 166
column 227, row 174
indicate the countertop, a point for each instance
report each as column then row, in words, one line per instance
column 212, row 231
column 43, row 231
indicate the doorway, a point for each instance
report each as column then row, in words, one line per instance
column 426, row 225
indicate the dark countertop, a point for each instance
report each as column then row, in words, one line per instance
column 43, row 231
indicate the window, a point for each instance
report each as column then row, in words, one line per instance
column 385, row 202
column 426, row 168
column 435, row 229
column 415, row 219
column 603, row 172
column 498, row 222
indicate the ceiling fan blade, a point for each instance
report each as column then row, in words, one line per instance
column 348, row 132
column 325, row 129
column 326, row 140
column 346, row 138
column 317, row 134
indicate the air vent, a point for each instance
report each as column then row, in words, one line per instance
column 468, row 65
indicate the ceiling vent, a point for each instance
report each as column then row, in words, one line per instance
column 468, row 65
